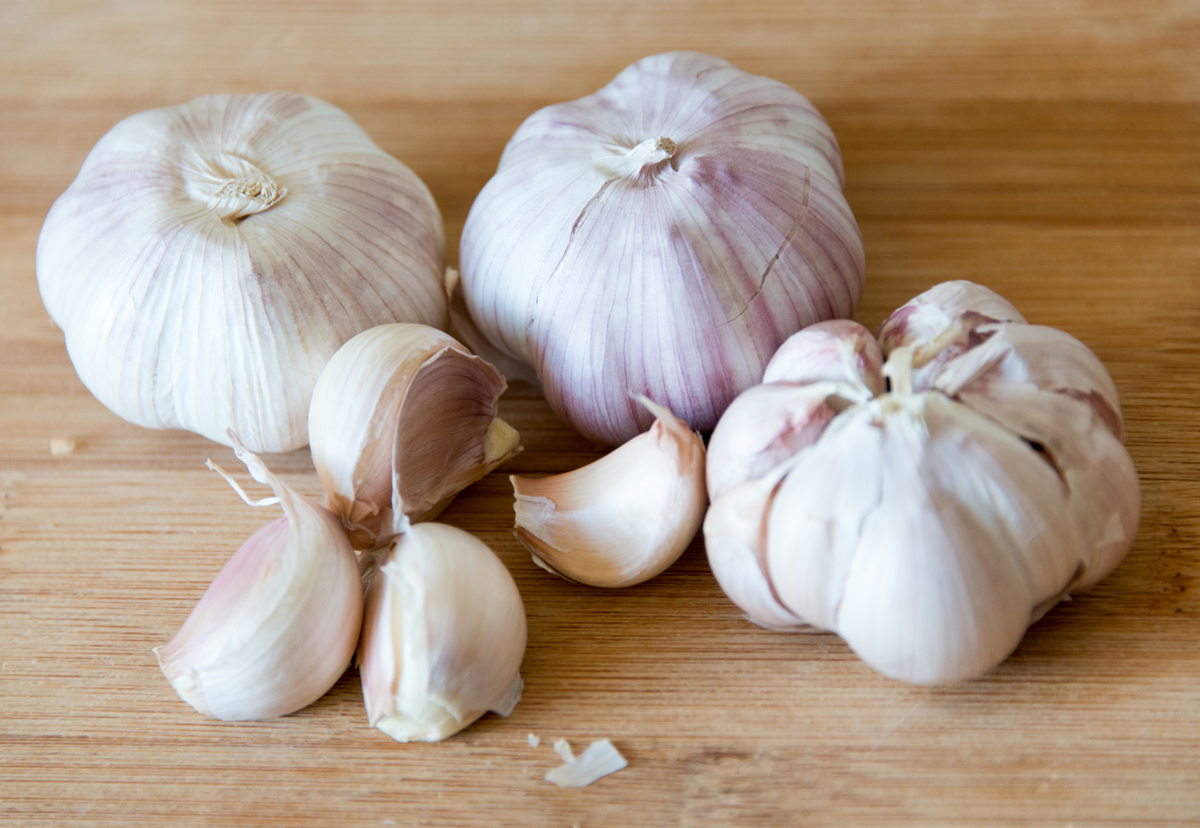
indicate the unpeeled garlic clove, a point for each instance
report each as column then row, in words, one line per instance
column 443, row 635
column 278, row 625
column 838, row 350
column 735, row 537
column 404, row 411
column 624, row 518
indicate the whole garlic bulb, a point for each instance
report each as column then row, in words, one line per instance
column 662, row 236
column 930, row 525
column 278, row 625
column 210, row 257
column 443, row 635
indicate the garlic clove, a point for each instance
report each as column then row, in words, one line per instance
column 210, row 258
column 838, row 350
column 1105, row 494
column 404, row 410
column 670, row 253
column 626, row 517
column 443, row 635
column 447, row 433
column 930, row 315
column 766, row 425
column 943, row 323
column 278, row 625
column 1016, row 356
column 735, row 537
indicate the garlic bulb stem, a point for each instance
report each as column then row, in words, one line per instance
column 645, row 160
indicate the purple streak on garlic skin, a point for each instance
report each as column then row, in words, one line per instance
column 709, row 198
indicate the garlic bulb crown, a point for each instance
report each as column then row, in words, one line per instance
column 929, row 526
column 403, row 418
column 443, row 635
column 278, row 625
column 663, row 235
column 209, row 259
column 626, row 517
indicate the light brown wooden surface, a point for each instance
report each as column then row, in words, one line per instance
column 1048, row 150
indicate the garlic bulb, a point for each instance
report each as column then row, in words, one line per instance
column 624, row 518
column 278, row 625
column 404, row 412
column 663, row 235
column 211, row 257
column 929, row 526
column 443, row 635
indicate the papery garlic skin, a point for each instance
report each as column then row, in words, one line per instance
column 624, row 518
column 709, row 197
column 443, row 635
column 404, row 411
column 209, row 259
column 931, row 525
column 278, row 625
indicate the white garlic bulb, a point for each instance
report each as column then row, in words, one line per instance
column 278, row 625
column 404, row 413
column 626, row 517
column 662, row 236
column 930, row 525
column 443, row 635
column 210, row 257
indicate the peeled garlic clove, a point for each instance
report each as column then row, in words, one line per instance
column 443, row 635
column 735, row 536
column 624, row 518
column 210, row 258
column 404, row 410
column 765, row 426
column 278, row 625
column 715, row 220
column 839, row 350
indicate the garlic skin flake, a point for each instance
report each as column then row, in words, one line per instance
column 931, row 525
column 663, row 235
column 278, row 625
column 443, row 635
column 209, row 259
column 626, row 517
column 405, row 412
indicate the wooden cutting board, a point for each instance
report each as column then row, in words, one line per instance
column 1048, row 150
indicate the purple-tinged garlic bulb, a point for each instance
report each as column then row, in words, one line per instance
column 661, row 237
column 931, row 524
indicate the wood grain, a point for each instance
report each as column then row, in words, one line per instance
column 1048, row 150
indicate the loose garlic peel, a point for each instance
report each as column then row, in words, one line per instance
column 403, row 418
column 931, row 525
column 443, row 635
column 210, row 258
column 626, row 517
column 278, row 625
column 710, row 197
